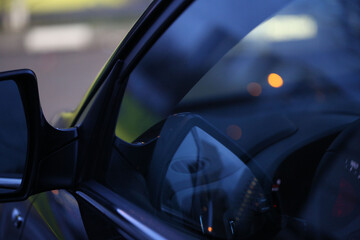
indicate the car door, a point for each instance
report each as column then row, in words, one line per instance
column 54, row 215
column 119, row 198
column 13, row 216
column 113, row 196
column 149, row 165
column 107, row 214
column 61, row 214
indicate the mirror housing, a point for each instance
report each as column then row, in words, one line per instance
column 51, row 156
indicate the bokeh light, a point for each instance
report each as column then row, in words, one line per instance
column 254, row 89
column 275, row 80
column 234, row 131
column 55, row 192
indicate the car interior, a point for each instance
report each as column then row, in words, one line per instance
column 301, row 175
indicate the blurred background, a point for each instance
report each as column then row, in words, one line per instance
column 65, row 42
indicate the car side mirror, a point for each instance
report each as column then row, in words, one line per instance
column 31, row 151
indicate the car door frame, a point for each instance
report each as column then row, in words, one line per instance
column 95, row 146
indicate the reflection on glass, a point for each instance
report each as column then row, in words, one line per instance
column 13, row 136
column 282, row 54
column 259, row 71
column 211, row 189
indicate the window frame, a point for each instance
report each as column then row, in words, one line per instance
column 95, row 145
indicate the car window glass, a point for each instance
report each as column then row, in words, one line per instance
column 259, row 82
column 163, row 77
column 289, row 49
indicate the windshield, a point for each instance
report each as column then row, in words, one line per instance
column 258, row 90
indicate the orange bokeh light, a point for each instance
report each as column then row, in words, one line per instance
column 275, row 80
column 210, row 229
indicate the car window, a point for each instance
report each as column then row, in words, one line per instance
column 285, row 50
column 231, row 93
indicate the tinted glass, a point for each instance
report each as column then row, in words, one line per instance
column 280, row 81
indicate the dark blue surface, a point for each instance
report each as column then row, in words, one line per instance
column 13, row 130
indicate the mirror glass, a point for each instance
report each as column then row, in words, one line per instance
column 13, row 137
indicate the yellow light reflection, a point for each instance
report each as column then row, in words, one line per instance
column 210, row 229
column 275, row 80
column 234, row 131
column 254, row 89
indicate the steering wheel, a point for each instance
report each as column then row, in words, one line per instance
column 333, row 207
